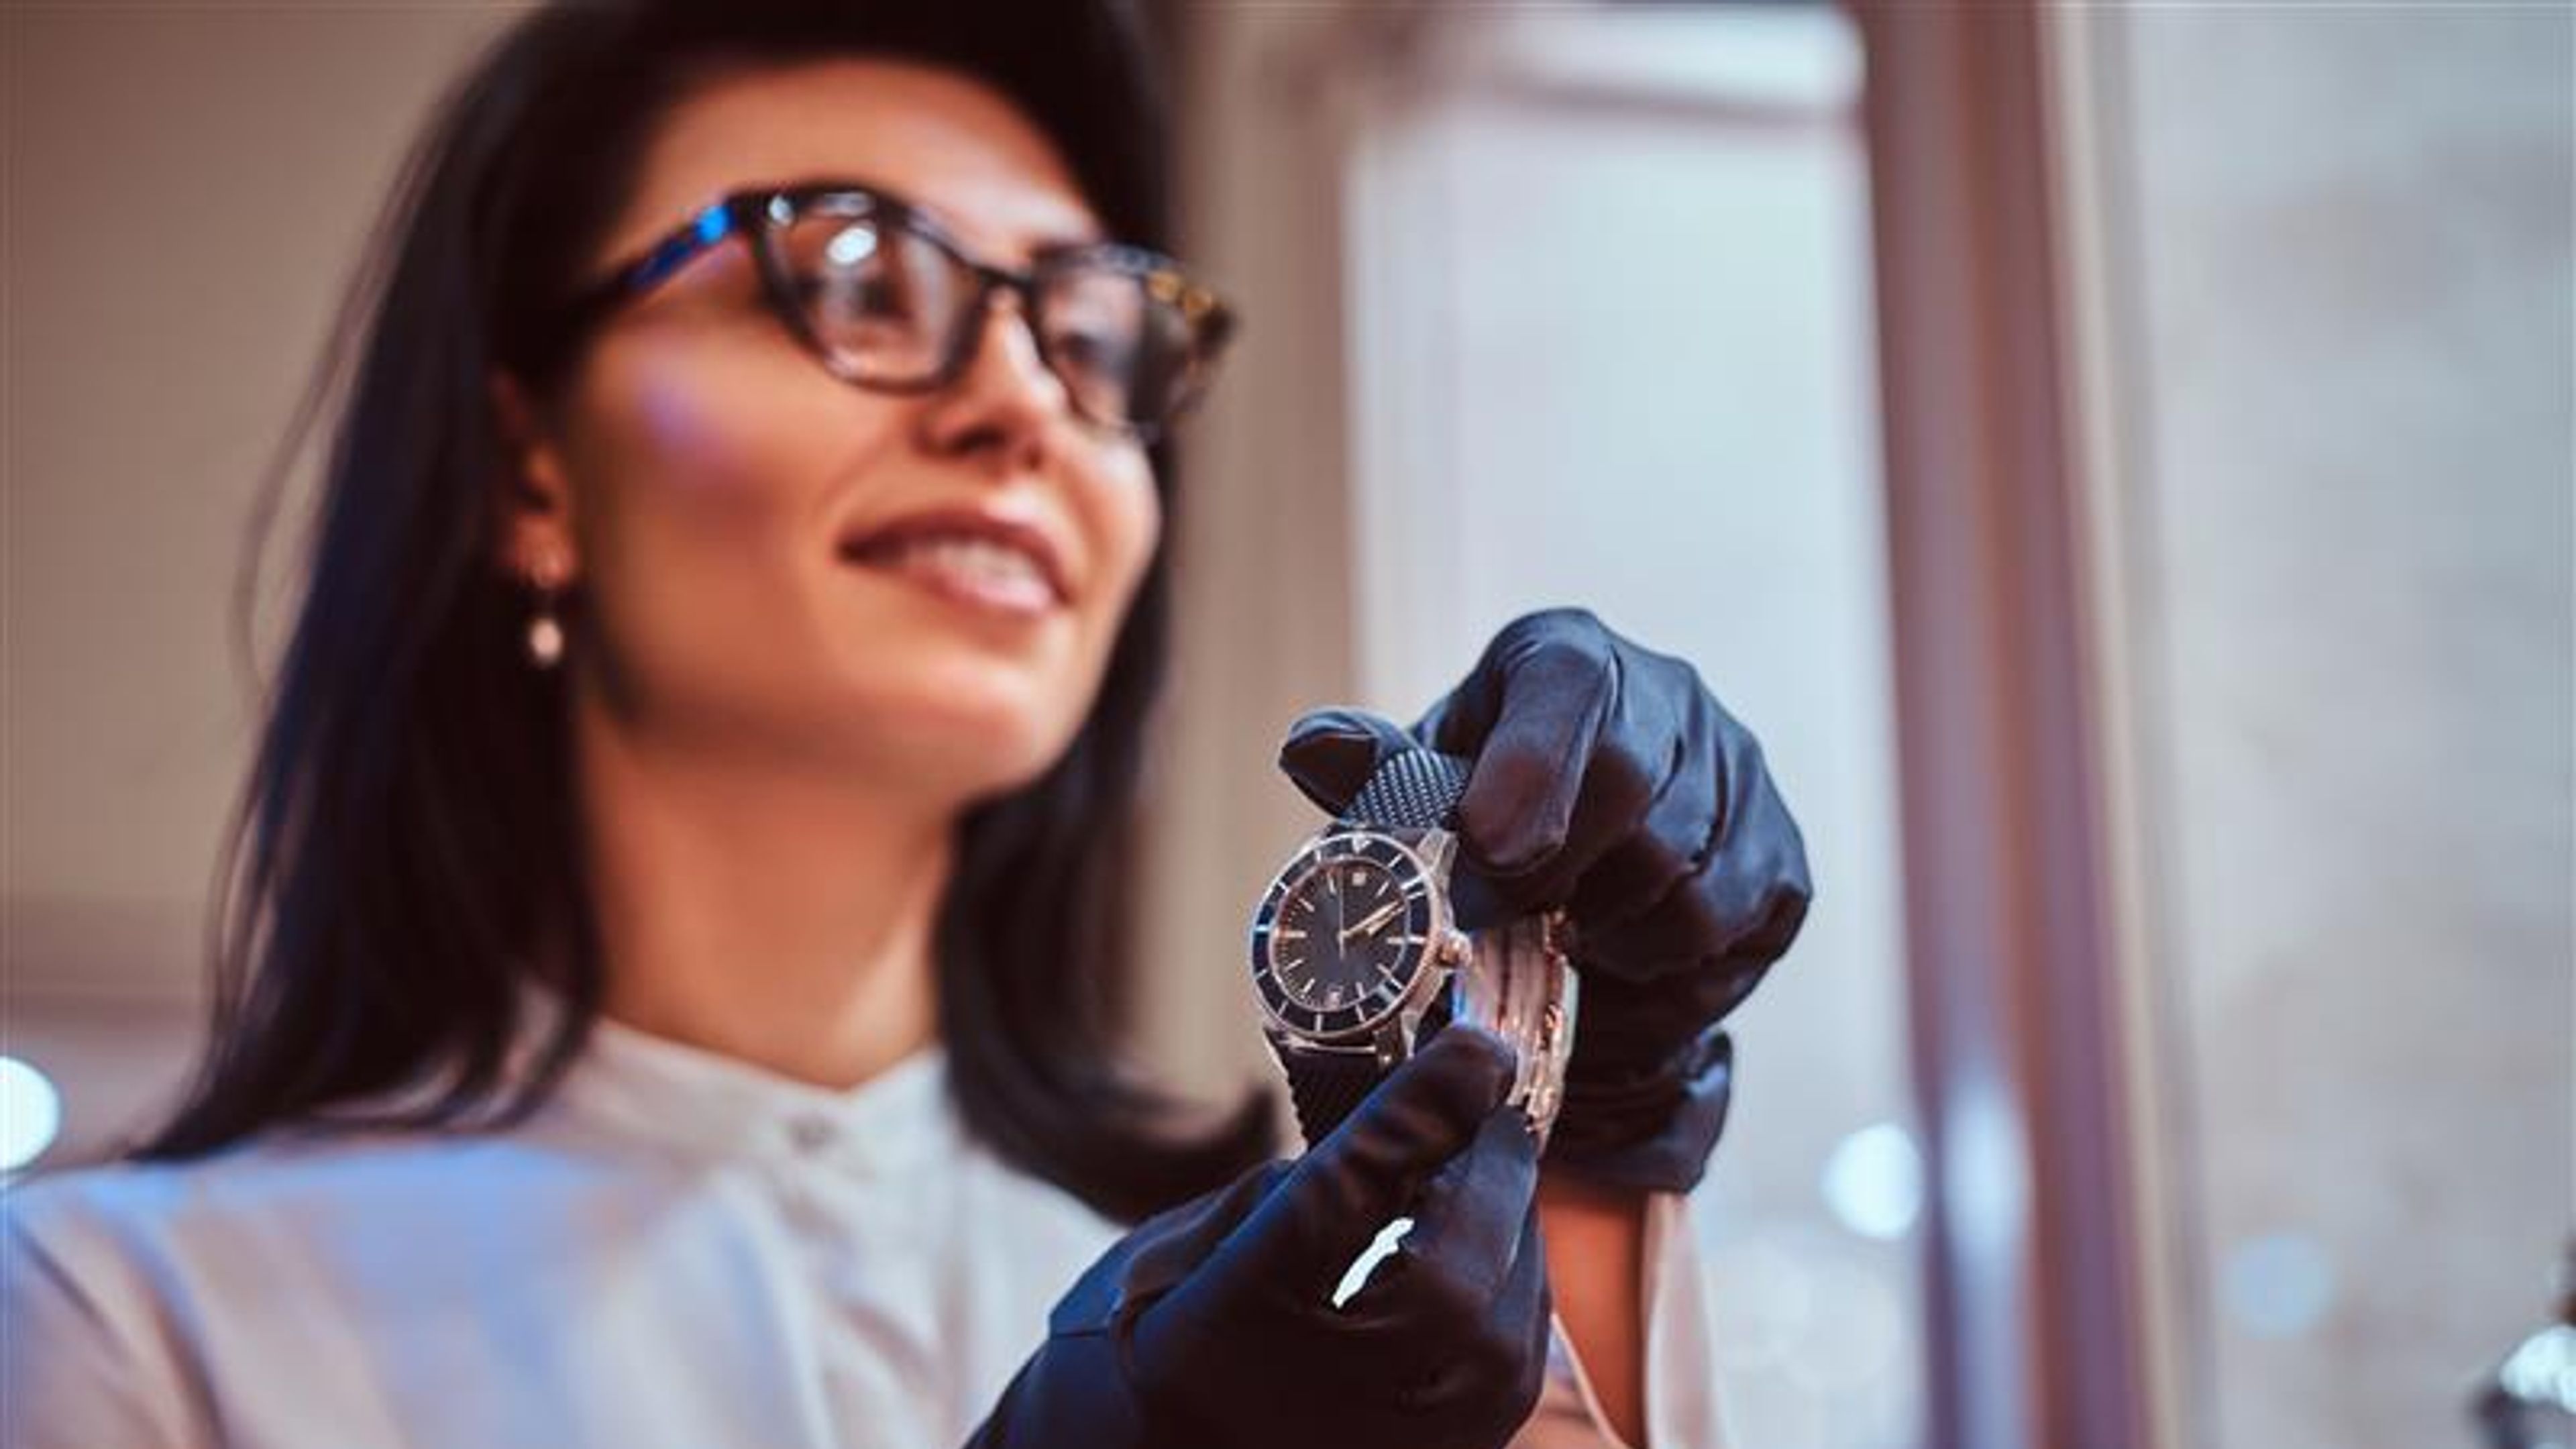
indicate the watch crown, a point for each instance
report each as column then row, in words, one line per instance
column 1453, row 948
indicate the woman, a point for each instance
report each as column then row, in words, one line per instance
column 678, row 942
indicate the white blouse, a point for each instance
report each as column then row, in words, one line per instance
column 679, row 1249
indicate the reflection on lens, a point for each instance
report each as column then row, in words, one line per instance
column 1094, row 335
column 883, row 299
column 851, row 246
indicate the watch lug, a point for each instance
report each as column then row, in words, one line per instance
column 1438, row 849
column 1393, row 1042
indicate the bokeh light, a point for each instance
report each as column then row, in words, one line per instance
column 1874, row 1182
column 2278, row 1286
column 31, row 1113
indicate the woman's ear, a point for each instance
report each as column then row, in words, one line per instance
column 532, row 503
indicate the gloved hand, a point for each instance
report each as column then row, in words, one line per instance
column 1610, row 782
column 1211, row 1326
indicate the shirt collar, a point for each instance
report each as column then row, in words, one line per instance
column 632, row 1085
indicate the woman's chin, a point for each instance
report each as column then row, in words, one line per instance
column 949, row 734
column 974, row 747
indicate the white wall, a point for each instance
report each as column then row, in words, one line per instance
column 186, row 190
column 2342, row 266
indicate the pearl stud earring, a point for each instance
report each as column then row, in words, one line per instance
column 545, row 631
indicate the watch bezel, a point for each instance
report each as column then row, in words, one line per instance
column 1426, row 919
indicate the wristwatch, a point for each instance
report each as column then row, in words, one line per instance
column 1355, row 949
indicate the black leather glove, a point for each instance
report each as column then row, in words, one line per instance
column 1608, row 781
column 1211, row 1326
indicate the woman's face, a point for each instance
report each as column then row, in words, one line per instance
column 724, row 504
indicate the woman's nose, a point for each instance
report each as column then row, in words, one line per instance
column 1005, row 401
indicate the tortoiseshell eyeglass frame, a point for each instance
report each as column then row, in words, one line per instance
column 762, row 215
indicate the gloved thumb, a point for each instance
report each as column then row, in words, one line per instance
column 1364, row 1175
column 1330, row 753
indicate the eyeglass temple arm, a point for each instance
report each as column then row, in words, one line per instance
column 710, row 226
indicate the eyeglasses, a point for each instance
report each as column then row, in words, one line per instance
column 889, row 301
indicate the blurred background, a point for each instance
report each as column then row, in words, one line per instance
column 2118, row 457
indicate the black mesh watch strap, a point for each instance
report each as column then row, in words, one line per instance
column 1414, row 789
column 1325, row 1086
column 1411, row 790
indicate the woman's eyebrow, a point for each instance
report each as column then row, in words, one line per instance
column 1057, row 246
column 1077, row 238
column 1059, row 226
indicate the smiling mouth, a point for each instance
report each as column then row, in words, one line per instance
column 969, row 569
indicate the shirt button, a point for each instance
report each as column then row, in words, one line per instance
column 811, row 1134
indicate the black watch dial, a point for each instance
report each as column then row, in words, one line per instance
column 1343, row 933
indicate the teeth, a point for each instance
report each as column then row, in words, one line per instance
column 981, row 561
column 978, row 556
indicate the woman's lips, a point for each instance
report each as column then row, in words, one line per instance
column 970, row 568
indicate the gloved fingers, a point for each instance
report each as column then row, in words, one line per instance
column 1457, row 1374
column 1162, row 1250
column 1466, row 1225
column 1523, row 1311
column 1651, row 1128
column 1528, row 713
column 1330, row 753
column 1460, row 720
column 1363, row 1176
column 1611, row 794
column 1578, row 737
column 1632, row 1029
column 1680, row 826
column 1742, row 904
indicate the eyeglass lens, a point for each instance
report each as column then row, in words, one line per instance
column 893, row 307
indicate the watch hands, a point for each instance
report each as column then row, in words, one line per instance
column 1374, row 920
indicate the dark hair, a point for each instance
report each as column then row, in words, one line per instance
column 407, row 840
